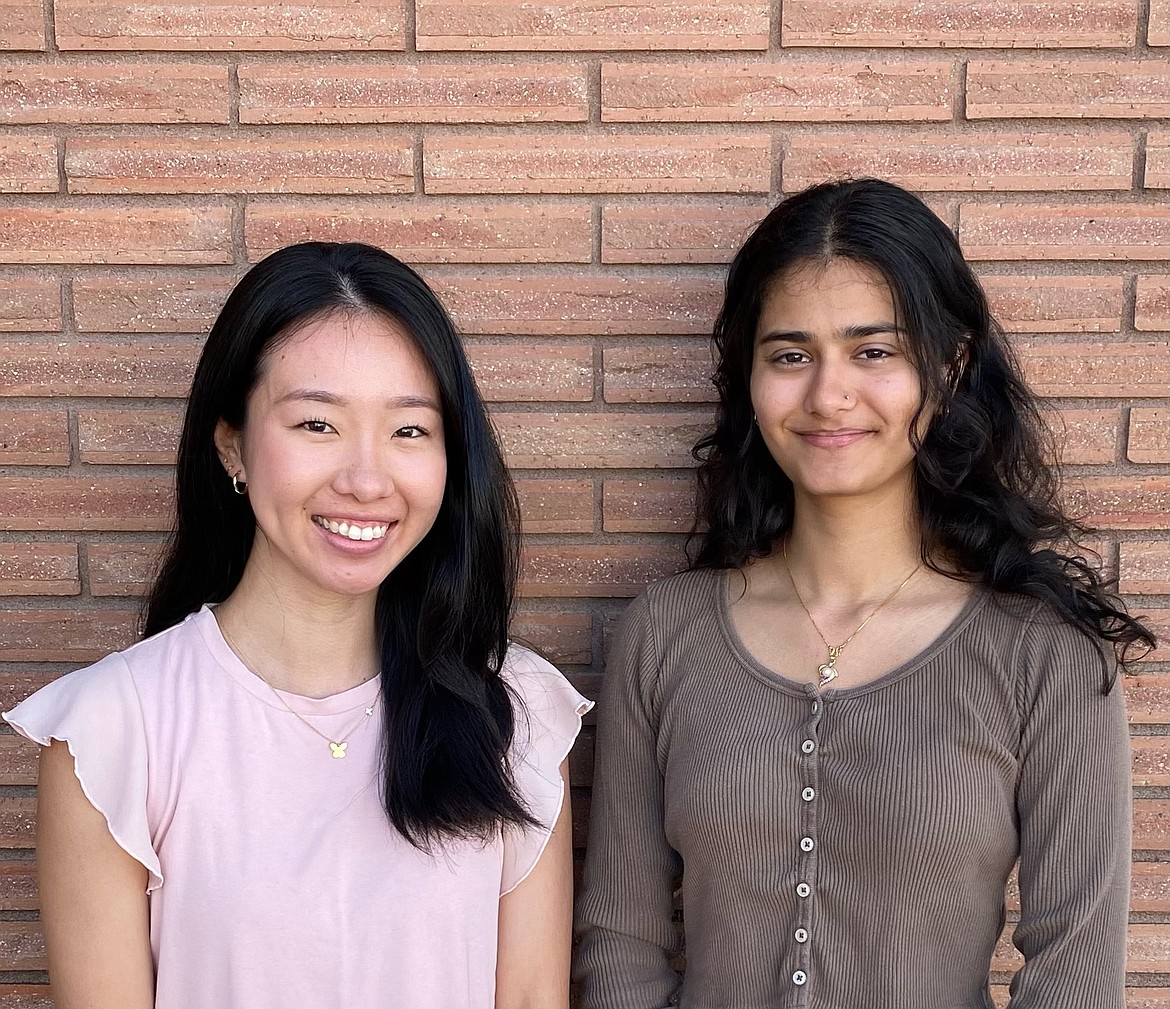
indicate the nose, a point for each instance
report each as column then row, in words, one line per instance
column 829, row 388
column 365, row 472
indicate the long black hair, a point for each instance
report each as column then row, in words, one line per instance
column 987, row 498
column 442, row 614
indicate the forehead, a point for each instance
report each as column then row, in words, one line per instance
column 353, row 354
column 827, row 296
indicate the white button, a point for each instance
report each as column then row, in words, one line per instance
column 802, row 935
column 806, row 844
column 808, row 746
column 799, row 977
column 803, row 889
column 807, row 795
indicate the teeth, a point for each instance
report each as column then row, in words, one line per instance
column 352, row 532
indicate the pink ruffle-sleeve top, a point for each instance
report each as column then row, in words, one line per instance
column 275, row 879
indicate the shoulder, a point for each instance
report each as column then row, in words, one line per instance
column 546, row 704
column 678, row 601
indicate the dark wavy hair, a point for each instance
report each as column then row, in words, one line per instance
column 442, row 614
column 987, row 497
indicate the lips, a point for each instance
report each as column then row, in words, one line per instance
column 836, row 438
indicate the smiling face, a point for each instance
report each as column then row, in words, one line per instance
column 342, row 452
column 832, row 386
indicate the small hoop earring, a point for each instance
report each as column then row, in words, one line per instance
column 239, row 486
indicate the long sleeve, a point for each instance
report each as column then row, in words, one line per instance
column 1073, row 803
column 624, row 916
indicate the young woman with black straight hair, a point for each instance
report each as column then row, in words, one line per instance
column 888, row 676
column 325, row 776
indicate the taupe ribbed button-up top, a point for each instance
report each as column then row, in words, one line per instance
column 849, row 850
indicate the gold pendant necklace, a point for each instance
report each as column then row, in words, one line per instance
column 827, row 671
column 337, row 747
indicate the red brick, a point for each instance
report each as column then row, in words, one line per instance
column 782, row 91
column 18, row 766
column 1111, row 502
column 30, row 304
column 28, row 164
column 1157, row 619
column 1056, row 304
column 614, row 304
column 531, row 373
column 152, row 303
column 591, row 440
column 235, row 25
column 121, row 569
column 562, row 638
column 432, row 233
column 1076, row 89
column 1151, row 824
column 91, row 503
column 1158, row 161
column 1147, row 698
column 128, row 93
column 22, row 946
column 705, row 233
column 1147, row 998
column 1086, row 437
column 428, row 93
column 114, row 368
column 18, row 879
column 1095, row 369
column 607, row 163
column 33, row 437
column 590, row 25
column 1145, row 568
column 966, row 163
column 1149, row 435
column 129, row 436
column 25, row 996
column 219, row 164
column 64, row 635
column 660, row 372
column 124, row 234
column 1146, row 948
column 556, row 506
column 1047, row 24
column 1158, row 30
column 1150, row 887
column 38, row 569
column 1151, row 761
column 22, row 25
column 1152, row 309
column 649, row 506
column 1074, row 231
column 606, row 571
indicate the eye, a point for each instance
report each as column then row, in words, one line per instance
column 875, row 354
column 411, row 431
column 316, row 426
column 789, row 357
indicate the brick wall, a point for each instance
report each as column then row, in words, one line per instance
column 571, row 176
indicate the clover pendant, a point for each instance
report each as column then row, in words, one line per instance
column 338, row 750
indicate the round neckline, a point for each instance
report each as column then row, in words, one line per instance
column 970, row 608
column 344, row 701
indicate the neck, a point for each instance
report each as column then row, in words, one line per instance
column 852, row 549
column 313, row 644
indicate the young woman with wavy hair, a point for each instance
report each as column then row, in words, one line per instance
column 888, row 676
column 324, row 777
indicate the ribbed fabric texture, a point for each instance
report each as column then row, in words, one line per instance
column 849, row 850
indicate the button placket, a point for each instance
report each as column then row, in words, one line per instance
column 809, row 751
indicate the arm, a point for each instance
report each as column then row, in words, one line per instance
column 1073, row 803
column 625, row 916
column 532, row 965
column 93, row 898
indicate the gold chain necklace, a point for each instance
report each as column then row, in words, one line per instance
column 828, row 670
column 337, row 747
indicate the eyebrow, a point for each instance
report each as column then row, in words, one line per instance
column 848, row 335
column 332, row 399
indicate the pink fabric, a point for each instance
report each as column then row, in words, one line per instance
column 274, row 877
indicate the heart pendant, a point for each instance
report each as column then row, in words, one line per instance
column 338, row 750
column 828, row 673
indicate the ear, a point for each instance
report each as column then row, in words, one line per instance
column 228, row 447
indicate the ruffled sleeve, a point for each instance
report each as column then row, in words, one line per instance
column 548, row 719
column 97, row 713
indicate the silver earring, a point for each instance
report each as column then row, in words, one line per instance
column 239, row 486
